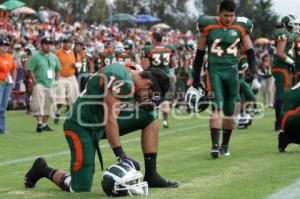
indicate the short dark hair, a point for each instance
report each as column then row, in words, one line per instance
column 161, row 81
column 227, row 5
column 157, row 36
column 46, row 40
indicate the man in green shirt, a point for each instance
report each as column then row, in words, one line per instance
column 96, row 115
column 43, row 67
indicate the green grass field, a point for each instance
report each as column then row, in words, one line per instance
column 254, row 170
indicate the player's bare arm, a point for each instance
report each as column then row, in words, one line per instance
column 111, row 127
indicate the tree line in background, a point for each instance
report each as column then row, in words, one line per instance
column 173, row 12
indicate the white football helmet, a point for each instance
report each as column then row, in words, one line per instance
column 291, row 23
column 242, row 121
column 99, row 48
column 197, row 99
column 123, row 180
column 255, row 85
column 119, row 47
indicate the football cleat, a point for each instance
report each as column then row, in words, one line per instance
column 224, row 150
column 33, row 175
column 156, row 181
column 39, row 128
column 215, row 151
column 47, row 128
column 165, row 124
column 283, row 141
column 256, row 112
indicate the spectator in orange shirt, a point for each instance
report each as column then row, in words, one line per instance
column 7, row 79
column 67, row 88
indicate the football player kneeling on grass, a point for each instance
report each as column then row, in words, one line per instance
column 97, row 114
column 290, row 119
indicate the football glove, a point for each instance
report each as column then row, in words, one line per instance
column 129, row 161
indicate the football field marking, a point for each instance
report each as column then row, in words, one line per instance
column 290, row 192
column 50, row 155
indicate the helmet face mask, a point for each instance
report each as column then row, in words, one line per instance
column 191, row 45
column 123, row 180
column 243, row 121
column 255, row 86
column 291, row 23
column 197, row 99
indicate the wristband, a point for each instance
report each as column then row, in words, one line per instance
column 289, row 61
column 118, row 151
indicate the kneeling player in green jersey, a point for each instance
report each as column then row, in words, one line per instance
column 97, row 115
column 222, row 35
column 290, row 118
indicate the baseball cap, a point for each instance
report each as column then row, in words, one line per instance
column 4, row 41
column 46, row 40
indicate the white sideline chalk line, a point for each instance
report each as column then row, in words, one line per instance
column 16, row 161
column 290, row 192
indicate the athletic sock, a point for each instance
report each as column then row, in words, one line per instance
column 215, row 134
column 226, row 136
column 150, row 163
column 151, row 176
column 165, row 116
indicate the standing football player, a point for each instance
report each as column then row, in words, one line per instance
column 222, row 35
column 283, row 60
column 163, row 57
column 296, row 78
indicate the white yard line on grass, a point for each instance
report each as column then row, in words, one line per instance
column 289, row 192
column 20, row 160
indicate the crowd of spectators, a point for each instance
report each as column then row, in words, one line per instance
column 79, row 46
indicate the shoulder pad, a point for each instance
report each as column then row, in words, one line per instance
column 246, row 23
column 118, row 79
column 205, row 20
column 281, row 34
column 146, row 50
column 171, row 46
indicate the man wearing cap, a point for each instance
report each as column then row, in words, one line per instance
column 67, row 88
column 7, row 79
column 43, row 66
